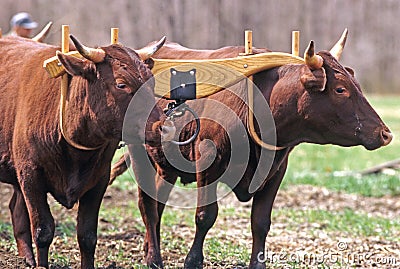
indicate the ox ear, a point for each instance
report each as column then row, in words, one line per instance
column 350, row 70
column 150, row 63
column 314, row 80
column 77, row 67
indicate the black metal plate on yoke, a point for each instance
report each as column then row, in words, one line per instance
column 183, row 84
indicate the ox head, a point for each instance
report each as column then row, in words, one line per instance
column 333, row 106
column 107, row 79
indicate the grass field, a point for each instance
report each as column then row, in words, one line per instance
column 322, row 202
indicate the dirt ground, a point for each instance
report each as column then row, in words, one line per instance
column 284, row 243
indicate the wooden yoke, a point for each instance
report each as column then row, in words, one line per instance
column 248, row 42
column 64, row 90
column 250, row 95
column 214, row 75
column 55, row 69
column 114, row 35
column 296, row 43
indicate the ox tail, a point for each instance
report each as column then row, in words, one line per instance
column 119, row 167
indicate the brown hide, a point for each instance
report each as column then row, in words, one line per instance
column 324, row 106
column 37, row 160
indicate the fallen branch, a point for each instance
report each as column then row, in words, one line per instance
column 395, row 164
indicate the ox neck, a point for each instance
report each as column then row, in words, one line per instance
column 288, row 122
column 284, row 104
column 77, row 122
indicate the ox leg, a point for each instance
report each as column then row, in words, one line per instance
column 164, row 185
column 42, row 222
column 164, row 188
column 120, row 167
column 206, row 214
column 145, row 177
column 22, row 226
column 261, row 217
column 148, row 210
column 87, row 221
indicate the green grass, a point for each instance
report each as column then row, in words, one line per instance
column 219, row 250
column 324, row 166
column 115, row 216
column 6, row 236
column 223, row 248
column 348, row 222
column 174, row 218
column 58, row 260
column 372, row 185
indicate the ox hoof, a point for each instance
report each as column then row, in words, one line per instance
column 154, row 261
column 257, row 265
column 30, row 262
column 155, row 266
column 193, row 262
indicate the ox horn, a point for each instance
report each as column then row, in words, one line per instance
column 337, row 49
column 312, row 60
column 43, row 34
column 146, row 52
column 95, row 55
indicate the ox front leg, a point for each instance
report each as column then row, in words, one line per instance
column 87, row 221
column 145, row 176
column 261, row 218
column 42, row 222
column 206, row 214
column 164, row 186
column 22, row 227
column 148, row 210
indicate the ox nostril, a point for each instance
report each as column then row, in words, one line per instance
column 168, row 130
column 386, row 136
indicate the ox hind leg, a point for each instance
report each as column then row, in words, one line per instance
column 21, row 226
column 120, row 167
column 261, row 217
column 206, row 214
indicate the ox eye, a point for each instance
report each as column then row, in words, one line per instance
column 121, row 86
column 340, row 90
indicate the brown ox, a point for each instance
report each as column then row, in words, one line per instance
column 35, row 157
column 320, row 102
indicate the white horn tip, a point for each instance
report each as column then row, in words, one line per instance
column 337, row 49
